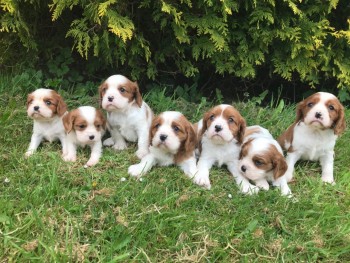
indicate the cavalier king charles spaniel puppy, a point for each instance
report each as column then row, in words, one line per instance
column 46, row 107
column 261, row 160
column 320, row 119
column 172, row 141
column 220, row 134
column 128, row 116
column 84, row 126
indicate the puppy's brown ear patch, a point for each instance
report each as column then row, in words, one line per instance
column 279, row 163
column 101, row 91
column 156, row 122
column 68, row 120
column 100, row 119
column 30, row 98
column 340, row 123
column 61, row 106
column 137, row 94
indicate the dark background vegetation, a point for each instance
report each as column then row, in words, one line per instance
column 230, row 49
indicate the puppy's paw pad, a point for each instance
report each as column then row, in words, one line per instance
column 202, row 181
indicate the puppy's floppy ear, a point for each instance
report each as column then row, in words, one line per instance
column 100, row 115
column 191, row 140
column 68, row 120
column 299, row 111
column 152, row 130
column 241, row 129
column 244, row 149
column 30, row 98
column 61, row 107
column 206, row 117
column 340, row 124
column 279, row 165
column 137, row 94
column 101, row 91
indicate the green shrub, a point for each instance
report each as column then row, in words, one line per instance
column 307, row 40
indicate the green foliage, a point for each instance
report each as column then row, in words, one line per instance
column 292, row 39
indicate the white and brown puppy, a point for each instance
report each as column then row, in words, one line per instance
column 172, row 141
column 221, row 133
column 84, row 126
column 46, row 107
column 128, row 116
column 320, row 119
column 261, row 160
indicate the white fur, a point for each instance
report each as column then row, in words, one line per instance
column 162, row 153
column 313, row 139
column 126, row 122
column 81, row 138
column 220, row 148
column 262, row 140
column 46, row 125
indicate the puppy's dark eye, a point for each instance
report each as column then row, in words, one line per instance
column 48, row 103
column 176, row 129
column 258, row 163
column 98, row 126
column 82, row 126
column 212, row 117
column 157, row 126
column 310, row 104
column 230, row 119
column 331, row 107
column 122, row 90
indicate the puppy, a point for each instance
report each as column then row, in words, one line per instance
column 172, row 141
column 46, row 107
column 320, row 119
column 128, row 116
column 84, row 126
column 261, row 160
column 221, row 133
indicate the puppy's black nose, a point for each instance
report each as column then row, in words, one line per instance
column 91, row 137
column 318, row 115
column 163, row 137
column 218, row 128
column 36, row 108
column 110, row 99
column 243, row 168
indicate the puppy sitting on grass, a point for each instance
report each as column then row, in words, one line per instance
column 84, row 126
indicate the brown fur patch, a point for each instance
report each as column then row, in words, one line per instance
column 287, row 137
column 188, row 139
column 100, row 121
column 102, row 91
column 58, row 106
column 272, row 159
column 30, row 98
column 245, row 149
column 337, row 115
column 69, row 120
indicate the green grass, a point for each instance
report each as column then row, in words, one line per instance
column 52, row 211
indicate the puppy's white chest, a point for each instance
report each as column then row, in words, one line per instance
column 312, row 144
column 49, row 130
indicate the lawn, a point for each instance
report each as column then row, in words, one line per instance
column 52, row 211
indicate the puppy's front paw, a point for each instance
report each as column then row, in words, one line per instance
column 249, row 189
column 328, row 180
column 69, row 158
column 141, row 153
column 120, row 145
column 90, row 163
column 28, row 154
column 264, row 185
column 108, row 142
column 285, row 191
column 202, row 180
column 136, row 170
